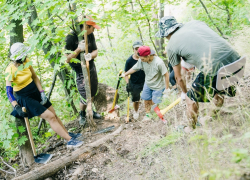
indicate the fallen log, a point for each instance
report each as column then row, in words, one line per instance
column 51, row 168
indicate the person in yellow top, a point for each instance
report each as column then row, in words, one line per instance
column 21, row 77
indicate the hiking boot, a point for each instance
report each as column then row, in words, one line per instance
column 96, row 115
column 82, row 120
column 75, row 135
column 136, row 115
column 74, row 143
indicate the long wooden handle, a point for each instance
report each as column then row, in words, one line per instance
column 170, row 106
column 127, row 111
column 29, row 133
column 113, row 105
column 116, row 91
column 87, row 50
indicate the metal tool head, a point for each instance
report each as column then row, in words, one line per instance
column 158, row 112
column 116, row 107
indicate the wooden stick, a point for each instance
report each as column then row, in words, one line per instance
column 29, row 133
column 87, row 50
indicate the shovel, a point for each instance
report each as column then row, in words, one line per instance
column 39, row 158
column 118, row 83
column 160, row 113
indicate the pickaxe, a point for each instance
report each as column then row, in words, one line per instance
column 118, row 83
column 160, row 113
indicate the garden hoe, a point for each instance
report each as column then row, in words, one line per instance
column 118, row 83
column 39, row 158
column 160, row 113
column 127, row 120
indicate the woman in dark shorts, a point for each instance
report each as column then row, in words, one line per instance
column 28, row 91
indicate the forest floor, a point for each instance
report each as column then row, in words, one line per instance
column 153, row 150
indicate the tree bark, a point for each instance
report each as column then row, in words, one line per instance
column 46, row 48
column 53, row 167
column 159, row 42
column 25, row 151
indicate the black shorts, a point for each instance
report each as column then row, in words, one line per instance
column 172, row 79
column 30, row 98
column 135, row 90
column 204, row 89
column 81, row 84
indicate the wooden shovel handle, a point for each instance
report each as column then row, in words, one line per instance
column 29, row 132
column 87, row 50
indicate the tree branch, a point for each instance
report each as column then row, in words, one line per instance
column 217, row 5
column 132, row 6
column 9, row 167
column 212, row 19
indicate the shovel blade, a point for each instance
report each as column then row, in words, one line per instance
column 42, row 158
column 116, row 107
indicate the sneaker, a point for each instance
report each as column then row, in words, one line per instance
column 75, row 135
column 96, row 115
column 74, row 143
column 136, row 115
column 146, row 117
column 82, row 120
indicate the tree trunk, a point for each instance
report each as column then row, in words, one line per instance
column 46, row 48
column 159, row 42
column 25, row 151
column 104, row 99
column 132, row 6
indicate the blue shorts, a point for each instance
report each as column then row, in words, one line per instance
column 148, row 94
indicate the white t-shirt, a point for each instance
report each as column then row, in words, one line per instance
column 186, row 65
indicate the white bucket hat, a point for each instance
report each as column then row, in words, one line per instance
column 18, row 51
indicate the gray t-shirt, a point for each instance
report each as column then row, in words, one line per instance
column 154, row 72
column 199, row 45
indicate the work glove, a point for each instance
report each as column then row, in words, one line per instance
column 20, row 111
column 183, row 95
column 122, row 75
column 81, row 45
column 44, row 98
column 88, row 57
column 166, row 91
column 128, row 88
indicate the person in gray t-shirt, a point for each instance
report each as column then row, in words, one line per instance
column 156, row 79
column 199, row 45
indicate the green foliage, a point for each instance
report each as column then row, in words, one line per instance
column 228, row 15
